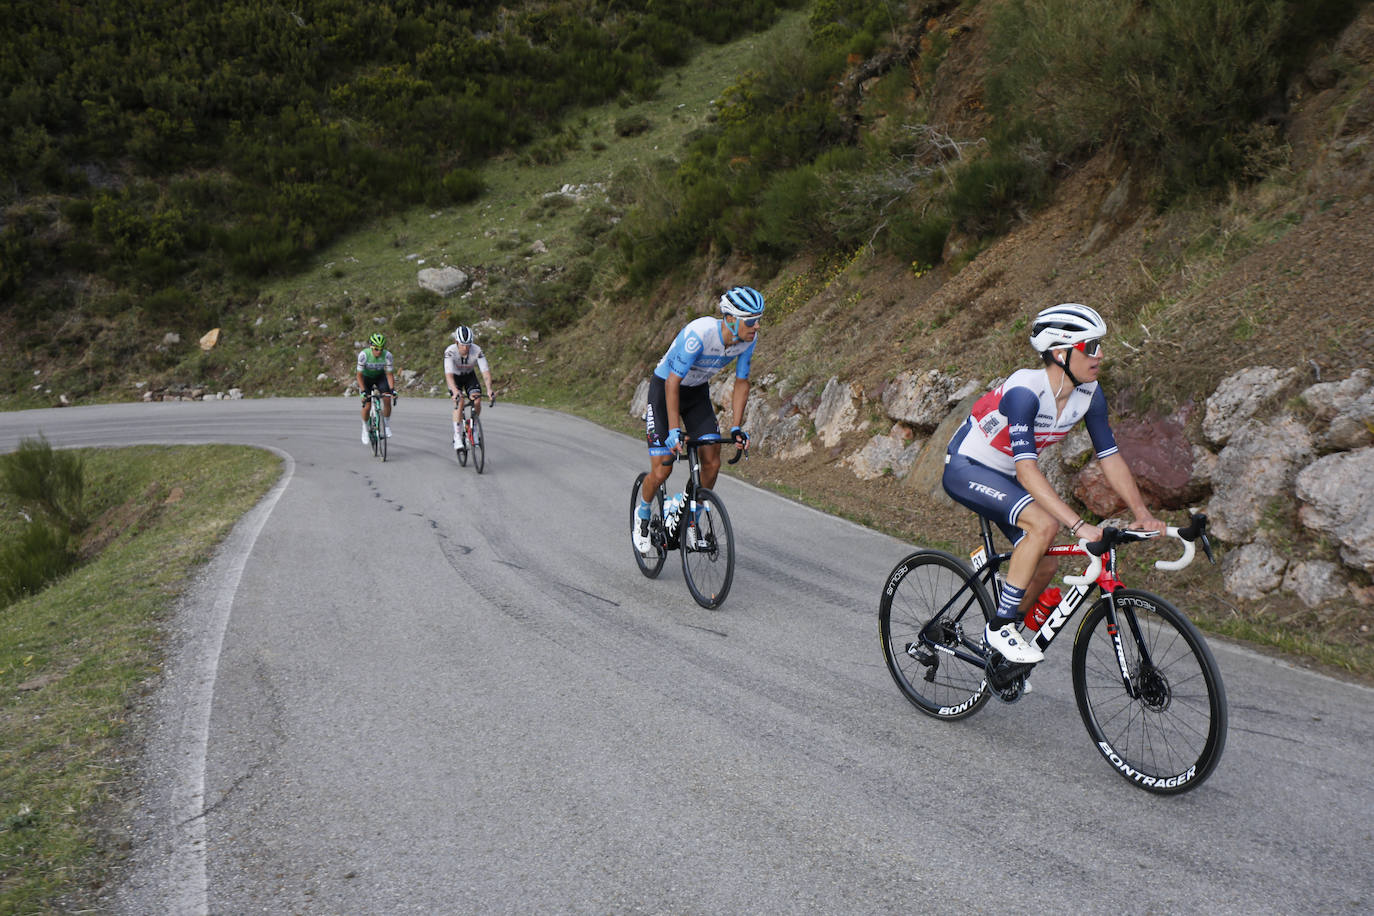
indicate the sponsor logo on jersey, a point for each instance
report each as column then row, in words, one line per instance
column 692, row 344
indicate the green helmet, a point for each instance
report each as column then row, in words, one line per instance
column 377, row 340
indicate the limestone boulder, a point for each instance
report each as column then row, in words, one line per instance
column 1337, row 495
column 1260, row 462
column 1240, row 397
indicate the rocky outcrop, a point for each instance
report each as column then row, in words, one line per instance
column 1269, row 467
column 1338, row 501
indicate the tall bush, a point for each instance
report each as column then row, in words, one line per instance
column 49, row 481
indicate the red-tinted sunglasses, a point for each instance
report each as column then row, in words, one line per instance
column 1092, row 348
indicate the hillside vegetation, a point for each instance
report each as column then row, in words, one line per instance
column 907, row 183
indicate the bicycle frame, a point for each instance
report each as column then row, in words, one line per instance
column 1101, row 574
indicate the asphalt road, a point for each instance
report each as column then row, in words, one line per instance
column 407, row 688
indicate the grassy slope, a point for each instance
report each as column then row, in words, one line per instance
column 75, row 658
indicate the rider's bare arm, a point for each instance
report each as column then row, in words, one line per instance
column 1122, row 481
column 739, row 399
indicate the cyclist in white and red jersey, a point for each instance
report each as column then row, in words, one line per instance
column 679, row 397
column 992, row 464
column 462, row 361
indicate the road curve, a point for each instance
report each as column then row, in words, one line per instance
column 420, row 690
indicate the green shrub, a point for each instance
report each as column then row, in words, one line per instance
column 463, row 185
column 631, row 125
column 49, row 481
column 916, row 238
column 990, row 193
column 40, row 553
column 1177, row 82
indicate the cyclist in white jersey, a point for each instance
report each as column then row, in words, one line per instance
column 679, row 395
column 462, row 361
column 992, row 464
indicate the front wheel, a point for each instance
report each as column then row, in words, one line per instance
column 707, row 544
column 1162, row 723
column 651, row 565
column 930, row 623
column 478, row 445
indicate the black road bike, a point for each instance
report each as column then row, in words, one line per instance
column 1147, row 687
column 700, row 532
column 471, row 444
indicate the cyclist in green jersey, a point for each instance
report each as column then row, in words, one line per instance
column 376, row 369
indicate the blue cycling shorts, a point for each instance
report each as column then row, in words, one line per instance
column 992, row 494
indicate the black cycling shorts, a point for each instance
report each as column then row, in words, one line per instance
column 694, row 403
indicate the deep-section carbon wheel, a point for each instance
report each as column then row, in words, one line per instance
column 930, row 622
column 707, row 544
column 1165, row 730
column 653, row 563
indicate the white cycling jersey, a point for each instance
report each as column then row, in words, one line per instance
column 456, row 365
column 1014, row 421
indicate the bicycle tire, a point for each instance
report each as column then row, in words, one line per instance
column 921, row 626
column 650, row 566
column 709, row 571
column 1169, row 738
column 374, row 432
column 381, row 438
column 478, row 445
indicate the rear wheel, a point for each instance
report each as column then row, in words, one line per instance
column 930, row 622
column 653, row 563
column 1163, row 727
column 707, row 543
column 478, row 445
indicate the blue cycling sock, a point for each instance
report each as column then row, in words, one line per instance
column 643, row 510
column 1009, row 604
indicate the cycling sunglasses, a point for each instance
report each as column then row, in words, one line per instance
column 751, row 322
column 1091, row 348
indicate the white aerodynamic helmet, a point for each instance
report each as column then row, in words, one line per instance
column 1064, row 325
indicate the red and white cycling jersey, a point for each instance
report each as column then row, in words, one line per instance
column 1014, row 421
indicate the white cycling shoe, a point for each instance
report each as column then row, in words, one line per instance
column 386, row 431
column 1009, row 641
column 640, row 533
column 365, row 440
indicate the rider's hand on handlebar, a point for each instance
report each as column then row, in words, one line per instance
column 1147, row 522
column 491, row 400
column 1089, row 532
column 674, row 439
column 740, row 437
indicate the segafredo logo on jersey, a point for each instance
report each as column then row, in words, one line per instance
column 1019, row 428
column 986, row 490
column 1130, row 772
column 692, row 344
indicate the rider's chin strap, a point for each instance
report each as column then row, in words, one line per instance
column 734, row 327
column 1065, row 366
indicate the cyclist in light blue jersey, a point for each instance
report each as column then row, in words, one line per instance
column 679, row 396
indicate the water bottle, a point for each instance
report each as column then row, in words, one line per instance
column 672, row 511
column 1044, row 607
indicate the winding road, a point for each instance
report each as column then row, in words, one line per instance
column 407, row 688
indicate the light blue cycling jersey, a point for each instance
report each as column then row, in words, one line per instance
column 698, row 352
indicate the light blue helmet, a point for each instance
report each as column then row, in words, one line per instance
column 742, row 302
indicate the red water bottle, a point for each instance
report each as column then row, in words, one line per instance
column 1044, row 607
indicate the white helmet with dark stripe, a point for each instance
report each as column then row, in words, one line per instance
column 1064, row 325
column 742, row 302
